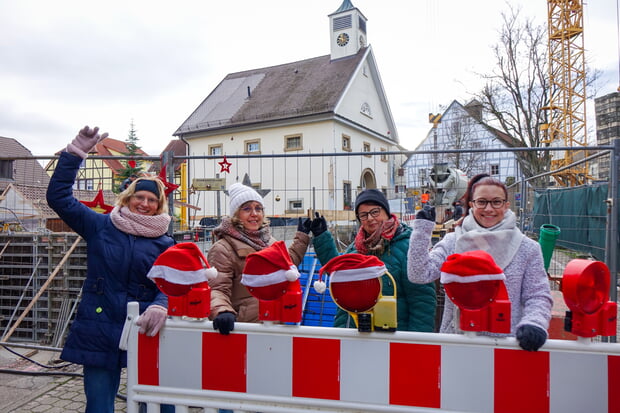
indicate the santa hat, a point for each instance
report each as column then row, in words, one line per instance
column 469, row 267
column 350, row 267
column 240, row 194
column 269, row 266
column 182, row 264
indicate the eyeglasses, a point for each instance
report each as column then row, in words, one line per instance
column 257, row 210
column 141, row 198
column 482, row 203
column 373, row 213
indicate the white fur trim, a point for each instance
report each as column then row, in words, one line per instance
column 176, row 276
column 357, row 274
column 211, row 273
column 320, row 286
column 263, row 280
column 292, row 274
column 447, row 278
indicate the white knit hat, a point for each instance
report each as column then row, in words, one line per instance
column 240, row 194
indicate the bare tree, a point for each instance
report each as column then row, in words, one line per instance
column 517, row 89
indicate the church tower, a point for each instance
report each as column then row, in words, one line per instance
column 347, row 31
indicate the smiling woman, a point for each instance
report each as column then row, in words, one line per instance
column 245, row 231
column 122, row 247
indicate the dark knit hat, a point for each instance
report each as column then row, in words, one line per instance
column 372, row 196
column 147, row 185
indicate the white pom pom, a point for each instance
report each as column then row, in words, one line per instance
column 291, row 275
column 320, row 286
column 210, row 273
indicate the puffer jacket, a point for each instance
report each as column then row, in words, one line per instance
column 228, row 255
column 415, row 303
column 118, row 264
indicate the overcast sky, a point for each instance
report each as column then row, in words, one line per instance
column 65, row 64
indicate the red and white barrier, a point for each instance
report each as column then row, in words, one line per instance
column 286, row 368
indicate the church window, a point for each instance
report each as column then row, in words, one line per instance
column 252, row 147
column 347, row 196
column 292, row 143
column 495, row 169
column 346, row 143
column 366, row 148
column 215, row 150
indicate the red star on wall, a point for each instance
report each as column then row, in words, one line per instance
column 170, row 187
column 98, row 204
column 225, row 165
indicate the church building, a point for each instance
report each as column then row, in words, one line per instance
column 292, row 130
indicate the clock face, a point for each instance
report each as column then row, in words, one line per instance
column 342, row 39
column 362, row 41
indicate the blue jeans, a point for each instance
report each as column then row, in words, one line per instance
column 101, row 386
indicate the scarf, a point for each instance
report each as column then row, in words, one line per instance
column 375, row 243
column 149, row 226
column 501, row 241
column 256, row 239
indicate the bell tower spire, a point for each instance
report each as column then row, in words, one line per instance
column 347, row 30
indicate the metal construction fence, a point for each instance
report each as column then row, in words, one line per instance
column 34, row 245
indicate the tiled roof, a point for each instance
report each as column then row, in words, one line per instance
column 25, row 171
column 287, row 91
column 178, row 148
column 114, row 147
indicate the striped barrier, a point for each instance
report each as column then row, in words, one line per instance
column 287, row 368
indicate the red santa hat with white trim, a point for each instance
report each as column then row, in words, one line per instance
column 269, row 266
column 182, row 264
column 470, row 267
column 350, row 267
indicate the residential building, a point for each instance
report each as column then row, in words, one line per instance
column 461, row 127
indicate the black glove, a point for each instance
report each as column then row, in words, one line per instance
column 304, row 226
column 225, row 322
column 530, row 337
column 427, row 213
column 318, row 225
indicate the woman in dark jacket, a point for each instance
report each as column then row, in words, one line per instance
column 382, row 235
column 122, row 247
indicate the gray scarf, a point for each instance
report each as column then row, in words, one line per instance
column 501, row 241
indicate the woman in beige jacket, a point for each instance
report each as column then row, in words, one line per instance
column 245, row 231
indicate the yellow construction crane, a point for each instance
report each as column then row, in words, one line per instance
column 566, row 113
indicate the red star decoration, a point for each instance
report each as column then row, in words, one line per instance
column 225, row 165
column 132, row 164
column 98, row 204
column 170, row 187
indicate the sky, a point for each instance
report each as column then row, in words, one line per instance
column 65, row 64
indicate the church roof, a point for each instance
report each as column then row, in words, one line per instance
column 346, row 5
column 292, row 90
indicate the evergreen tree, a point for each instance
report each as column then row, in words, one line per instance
column 132, row 166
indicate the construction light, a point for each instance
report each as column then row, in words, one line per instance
column 585, row 287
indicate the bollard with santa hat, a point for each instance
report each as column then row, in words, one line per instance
column 355, row 286
column 475, row 284
column 183, row 273
column 271, row 277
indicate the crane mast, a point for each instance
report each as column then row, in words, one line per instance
column 566, row 113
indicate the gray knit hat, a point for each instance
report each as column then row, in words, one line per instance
column 240, row 194
column 372, row 196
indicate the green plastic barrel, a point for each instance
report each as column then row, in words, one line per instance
column 548, row 235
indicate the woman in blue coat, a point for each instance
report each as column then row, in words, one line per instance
column 122, row 247
column 382, row 235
